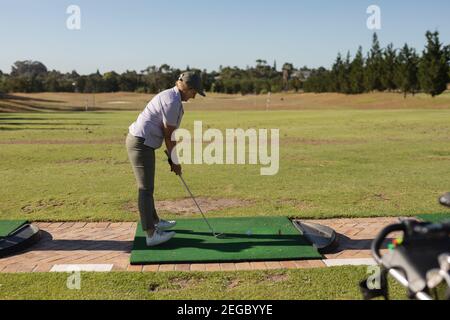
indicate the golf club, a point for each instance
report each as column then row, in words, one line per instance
column 216, row 235
column 436, row 276
column 420, row 262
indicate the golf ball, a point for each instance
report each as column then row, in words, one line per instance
column 249, row 232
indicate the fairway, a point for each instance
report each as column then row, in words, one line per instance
column 242, row 239
column 333, row 163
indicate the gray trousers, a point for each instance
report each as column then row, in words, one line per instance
column 142, row 160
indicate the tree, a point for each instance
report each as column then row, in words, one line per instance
column 344, row 75
column 297, row 84
column 434, row 66
column 111, row 81
column 287, row 71
column 51, row 83
column 28, row 76
column 406, row 69
column 320, row 81
column 336, row 72
column 374, row 63
column 339, row 76
column 28, row 68
column 208, row 79
column 261, row 63
column 129, row 81
column 3, row 88
column 165, row 68
column 262, row 70
column 357, row 73
column 388, row 68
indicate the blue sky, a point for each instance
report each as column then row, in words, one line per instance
column 120, row 35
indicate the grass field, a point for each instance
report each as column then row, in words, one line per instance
column 333, row 163
column 341, row 284
column 340, row 156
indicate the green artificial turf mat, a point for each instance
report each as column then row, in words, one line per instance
column 246, row 239
column 437, row 217
column 8, row 226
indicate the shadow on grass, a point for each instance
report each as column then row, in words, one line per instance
column 47, row 124
column 47, row 243
column 347, row 244
column 20, row 98
column 5, row 117
column 47, row 129
column 30, row 107
column 29, row 104
column 232, row 242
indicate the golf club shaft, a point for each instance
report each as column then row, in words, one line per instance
column 192, row 196
column 195, row 201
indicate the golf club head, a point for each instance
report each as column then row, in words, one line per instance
column 444, row 262
column 434, row 278
column 445, row 200
column 219, row 236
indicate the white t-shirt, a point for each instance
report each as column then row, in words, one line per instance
column 165, row 108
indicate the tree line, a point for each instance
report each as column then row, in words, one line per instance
column 33, row 76
column 387, row 69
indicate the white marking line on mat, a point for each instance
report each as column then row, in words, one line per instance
column 349, row 262
column 82, row 268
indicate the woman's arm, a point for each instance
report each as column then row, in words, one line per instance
column 168, row 131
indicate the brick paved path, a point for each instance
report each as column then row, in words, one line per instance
column 111, row 243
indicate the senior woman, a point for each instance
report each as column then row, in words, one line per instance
column 160, row 118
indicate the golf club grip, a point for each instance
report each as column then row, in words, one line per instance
column 378, row 241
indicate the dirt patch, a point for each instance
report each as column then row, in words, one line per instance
column 297, row 204
column 318, row 142
column 233, row 284
column 174, row 284
column 42, row 205
column 438, row 158
column 47, row 204
column 186, row 206
column 153, row 287
column 91, row 160
column 182, row 283
column 277, row 277
column 77, row 161
column 375, row 196
column 381, row 196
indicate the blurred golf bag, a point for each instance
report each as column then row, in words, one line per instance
column 419, row 261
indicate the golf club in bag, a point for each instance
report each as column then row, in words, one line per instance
column 216, row 235
column 420, row 261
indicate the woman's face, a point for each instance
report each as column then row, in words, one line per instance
column 189, row 94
